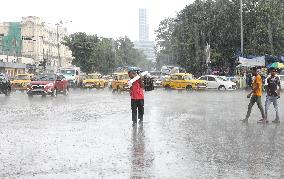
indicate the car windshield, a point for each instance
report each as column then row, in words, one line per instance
column 45, row 77
column 67, row 72
column 222, row 79
column 92, row 77
column 187, row 77
column 22, row 77
column 121, row 77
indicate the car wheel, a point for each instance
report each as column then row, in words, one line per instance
column 119, row 90
column 221, row 88
column 189, row 88
column 54, row 93
column 167, row 87
column 66, row 92
column 8, row 92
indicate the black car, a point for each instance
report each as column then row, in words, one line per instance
column 5, row 85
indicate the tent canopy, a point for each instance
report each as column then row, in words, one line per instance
column 254, row 62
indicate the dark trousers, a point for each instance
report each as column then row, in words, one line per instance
column 137, row 103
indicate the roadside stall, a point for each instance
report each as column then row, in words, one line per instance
column 243, row 69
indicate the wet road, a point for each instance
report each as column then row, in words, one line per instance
column 185, row 135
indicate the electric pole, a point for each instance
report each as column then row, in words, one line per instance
column 242, row 28
column 58, row 45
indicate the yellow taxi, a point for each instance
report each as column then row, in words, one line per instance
column 94, row 80
column 21, row 81
column 119, row 82
column 181, row 81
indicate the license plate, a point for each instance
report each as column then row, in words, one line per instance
column 37, row 90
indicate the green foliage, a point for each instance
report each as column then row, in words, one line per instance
column 82, row 47
column 104, row 55
column 182, row 40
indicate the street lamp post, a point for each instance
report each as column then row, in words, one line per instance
column 58, row 38
column 58, row 45
column 242, row 28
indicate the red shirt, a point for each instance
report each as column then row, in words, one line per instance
column 136, row 91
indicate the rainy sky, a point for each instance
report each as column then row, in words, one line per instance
column 109, row 18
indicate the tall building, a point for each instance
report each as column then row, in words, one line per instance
column 144, row 43
column 143, row 25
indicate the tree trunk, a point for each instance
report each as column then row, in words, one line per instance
column 196, row 44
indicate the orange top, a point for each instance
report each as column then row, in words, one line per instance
column 257, row 81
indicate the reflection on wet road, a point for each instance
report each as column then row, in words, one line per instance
column 185, row 135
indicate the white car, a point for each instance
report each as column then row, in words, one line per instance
column 217, row 82
column 158, row 82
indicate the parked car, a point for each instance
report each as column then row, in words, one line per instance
column 72, row 74
column 235, row 79
column 217, row 82
column 82, row 77
column 94, row 80
column 48, row 84
column 181, row 81
column 156, row 76
column 21, row 82
column 158, row 82
column 5, row 85
column 119, row 82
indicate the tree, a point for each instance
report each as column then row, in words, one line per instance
column 94, row 54
column 182, row 39
column 163, row 40
column 82, row 47
column 104, row 55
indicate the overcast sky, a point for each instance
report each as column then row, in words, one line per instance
column 109, row 18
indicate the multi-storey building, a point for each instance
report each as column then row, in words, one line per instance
column 43, row 42
column 144, row 43
column 148, row 48
column 143, row 25
column 32, row 38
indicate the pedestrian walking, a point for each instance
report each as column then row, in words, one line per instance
column 137, row 97
column 248, row 80
column 255, row 95
column 273, row 93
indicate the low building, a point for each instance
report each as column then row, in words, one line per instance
column 10, row 66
